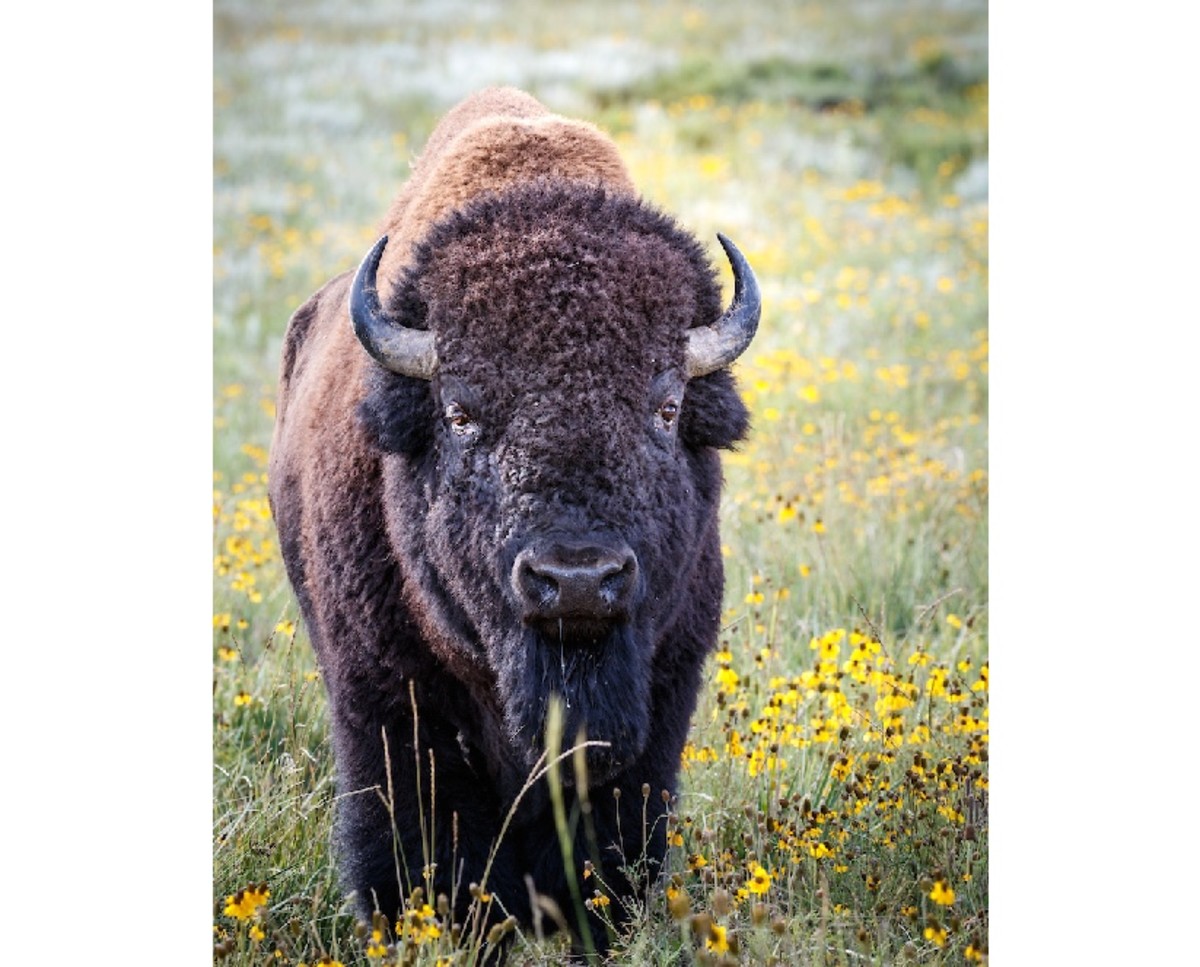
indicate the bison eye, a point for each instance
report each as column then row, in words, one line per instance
column 459, row 419
column 668, row 412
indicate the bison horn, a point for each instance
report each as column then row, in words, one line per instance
column 711, row 347
column 409, row 352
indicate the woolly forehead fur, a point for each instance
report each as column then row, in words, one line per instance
column 549, row 278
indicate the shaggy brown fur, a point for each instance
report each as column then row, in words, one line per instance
column 560, row 423
column 499, row 137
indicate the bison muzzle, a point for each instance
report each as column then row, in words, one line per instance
column 495, row 478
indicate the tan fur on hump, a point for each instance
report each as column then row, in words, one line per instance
column 494, row 138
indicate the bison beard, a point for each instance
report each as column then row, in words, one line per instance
column 495, row 480
column 604, row 687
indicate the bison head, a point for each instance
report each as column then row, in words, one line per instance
column 551, row 392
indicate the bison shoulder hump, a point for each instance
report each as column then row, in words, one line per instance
column 488, row 153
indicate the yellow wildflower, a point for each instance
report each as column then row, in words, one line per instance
column 942, row 893
column 717, row 941
column 376, row 947
column 245, row 903
column 760, row 880
column 936, row 935
column 419, row 924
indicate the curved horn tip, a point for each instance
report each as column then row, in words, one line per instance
column 365, row 310
column 409, row 352
column 742, row 272
column 712, row 347
column 370, row 263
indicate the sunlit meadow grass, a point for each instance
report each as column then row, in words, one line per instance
column 834, row 796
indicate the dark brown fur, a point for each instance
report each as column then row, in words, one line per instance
column 560, row 304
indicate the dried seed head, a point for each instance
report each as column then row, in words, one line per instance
column 680, row 905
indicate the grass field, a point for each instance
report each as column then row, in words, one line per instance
column 834, row 800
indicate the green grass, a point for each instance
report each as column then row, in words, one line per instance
column 844, row 147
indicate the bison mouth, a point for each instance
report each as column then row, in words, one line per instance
column 599, row 672
column 573, row 632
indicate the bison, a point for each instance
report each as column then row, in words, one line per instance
column 495, row 479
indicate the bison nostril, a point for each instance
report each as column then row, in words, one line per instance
column 535, row 588
column 616, row 586
column 575, row 581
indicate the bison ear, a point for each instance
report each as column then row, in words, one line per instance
column 713, row 413
column 397, row 413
